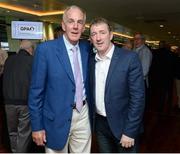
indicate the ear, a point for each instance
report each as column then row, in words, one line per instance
column 111, row 36
column 63, row 25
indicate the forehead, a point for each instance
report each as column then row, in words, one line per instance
column 137, row 36
column 74, row 13
column 99, row 26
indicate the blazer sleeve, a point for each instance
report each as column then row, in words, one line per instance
column 137, row 98
column 37, row 88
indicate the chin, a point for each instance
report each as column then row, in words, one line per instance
column 100, row 48
column 76, row 38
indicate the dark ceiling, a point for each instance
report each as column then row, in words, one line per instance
column 145, row 16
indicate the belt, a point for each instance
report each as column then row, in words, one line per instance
column 100, row 116
column 74, row 105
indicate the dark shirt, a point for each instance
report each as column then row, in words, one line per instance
column 16, row 79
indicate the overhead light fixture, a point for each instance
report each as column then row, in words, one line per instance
column 161, row 26
column 28, row 11
column 123, row 35
column 153, row 42
column 169, row 32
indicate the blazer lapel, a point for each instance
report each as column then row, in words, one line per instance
column 64, row 58
column 113, row 64
column 84, row 59
column 92, row 75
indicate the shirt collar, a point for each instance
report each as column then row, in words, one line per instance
column 68, row 45
column 107, row 56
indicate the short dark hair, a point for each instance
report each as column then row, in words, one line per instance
column 99, row 20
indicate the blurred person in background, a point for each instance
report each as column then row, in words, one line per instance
column 128, row 44
column 3, row 57
column 58, row 31
column 144, row 54
column 165, row 66
column 177, row 74
column 16, row 81
column 145, row 57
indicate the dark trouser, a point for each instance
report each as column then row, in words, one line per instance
column 107, row 143
column 18, row 122
column 4, row 138
column 165, row 95
column 147, row 96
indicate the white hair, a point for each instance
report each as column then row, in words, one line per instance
column 73, row 7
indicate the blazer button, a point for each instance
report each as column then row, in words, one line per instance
column 69, row 120
column 73, row 90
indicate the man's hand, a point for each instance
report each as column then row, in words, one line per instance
column 126, row 141
column 39, row 137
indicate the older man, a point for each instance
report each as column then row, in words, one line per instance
column 58, row 98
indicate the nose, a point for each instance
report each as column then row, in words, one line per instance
column 98, row 38
column 75, row 25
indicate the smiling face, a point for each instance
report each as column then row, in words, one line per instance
column 101, row 37
column 73, row 24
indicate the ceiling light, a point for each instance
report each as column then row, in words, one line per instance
column 161, row 26
column 28, row 11
column 123, row 35
column 169, row 32
column 42, row 13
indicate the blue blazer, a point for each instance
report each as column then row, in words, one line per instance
column 52, row 90
column 124, row 93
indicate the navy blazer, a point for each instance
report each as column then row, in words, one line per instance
column 124, row 92
column 52, row 90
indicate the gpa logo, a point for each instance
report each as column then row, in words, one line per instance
column 27, row 28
